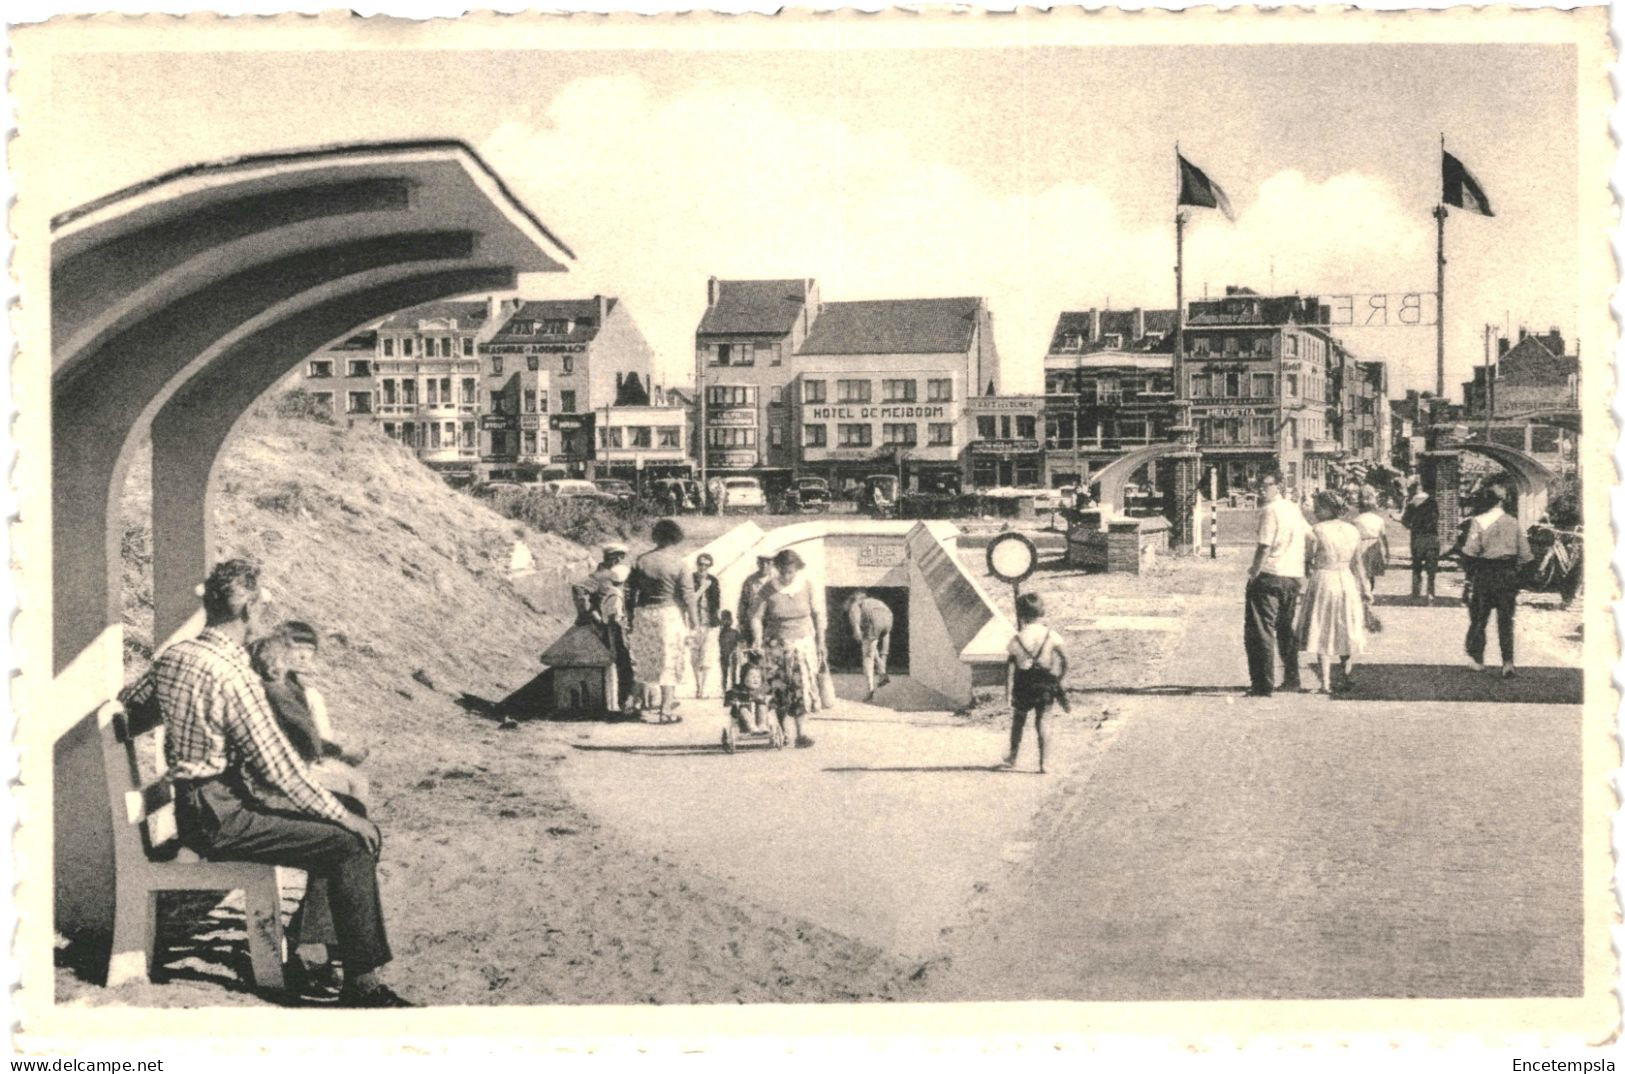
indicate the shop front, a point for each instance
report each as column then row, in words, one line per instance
column 1003, row 449
column 571, row 437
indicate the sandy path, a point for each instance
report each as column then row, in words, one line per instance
column 881, row 832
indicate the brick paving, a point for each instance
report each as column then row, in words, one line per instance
column 1420, row 837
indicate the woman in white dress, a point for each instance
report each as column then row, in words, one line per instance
column 1331, row 615
column 1373, row 527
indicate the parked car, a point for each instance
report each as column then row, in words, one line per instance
column 622, row 491
column 576, row 489
column 488, row 489
column 553, row 473
column 812, row 493
column 744, row 493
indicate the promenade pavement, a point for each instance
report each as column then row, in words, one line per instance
column 1417, row 837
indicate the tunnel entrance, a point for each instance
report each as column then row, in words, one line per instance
column 845, row 654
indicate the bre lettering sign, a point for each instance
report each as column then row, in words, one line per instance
column 1397, row 309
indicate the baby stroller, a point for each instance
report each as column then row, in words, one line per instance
column 749, row 721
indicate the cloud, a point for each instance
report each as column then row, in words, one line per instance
column 656, row 194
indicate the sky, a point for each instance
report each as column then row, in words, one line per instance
column 1040, row 178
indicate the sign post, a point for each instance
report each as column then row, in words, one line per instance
column 1012, row 557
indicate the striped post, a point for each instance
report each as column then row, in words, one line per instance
column 1213, row 529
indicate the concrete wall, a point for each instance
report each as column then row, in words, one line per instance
column 953, row 626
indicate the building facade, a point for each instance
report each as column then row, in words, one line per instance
column 742, row 369
column 549, row 369
column 1003, row 435
column 881, row 386
column 1264, row 378
column 640, row 443
column 1109, row 388
column 427, row 374
column 1532, row 382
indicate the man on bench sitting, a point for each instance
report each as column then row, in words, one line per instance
column 243, row 794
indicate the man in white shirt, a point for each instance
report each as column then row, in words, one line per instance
column 1492, row 554
column 1274, row 583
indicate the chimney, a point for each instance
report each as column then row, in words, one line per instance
column 1139, row 324
column 493, row 310
column 713, row 291
column 1094, row 325
column 603, row 309
column 1502, row 347
column 1523, row 333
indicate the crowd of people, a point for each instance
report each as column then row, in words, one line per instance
column 1311, row 587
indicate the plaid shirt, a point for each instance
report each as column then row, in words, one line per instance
column 216, row 717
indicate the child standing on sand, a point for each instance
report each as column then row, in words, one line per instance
column 1037, row 666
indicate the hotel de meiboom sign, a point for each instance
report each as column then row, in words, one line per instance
column 860, row 413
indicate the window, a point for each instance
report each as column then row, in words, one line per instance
column 323, row 400
column 1232, row 385
column 857, row 435
column 389, row 429
column 569, row 365
column 611, row 437
column 1291, row 385
column 898, row 391
column 358, row 369
column 1114, row 341
column 1230, row 345
column 321, row 369
column 468, row 346
column 852, row 391
column 812, row 391
column 431, row 395
column 815, row 436
column 530, row 400
column 775, row 395
column 530, row 441
column 409, row 392
column 775, row 435
column 1263, row 430
column 901, row 434
column 730, row 395
column 1026, row 427
column 496, row 365
column 1263, row 385
column 471, row 391
column 1198, row 385
column 389, row 347
column 389, row 390
column 669, row 436
column 555, row 326
column 987, row 427
column 406, row 347
column 445, row 391
column 359, row 403
column 745, row 354
column 942, row 434
column 1291, row 346
column 642, row 436
column 1202, row 345
column 541, row 402
column 434, row 435
column 567, row 402
column 533, row 362
column 776, row 352
column 939, row 391
column 468, row 434
column 729, row 436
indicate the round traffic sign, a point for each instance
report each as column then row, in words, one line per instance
column 1011, row 557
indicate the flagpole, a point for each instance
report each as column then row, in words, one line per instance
column 1439, row 214
column 1179, row 284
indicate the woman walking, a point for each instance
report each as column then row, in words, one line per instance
column 1373, row 527
column 661, row 613
column 789, row 629
column 1331, row 616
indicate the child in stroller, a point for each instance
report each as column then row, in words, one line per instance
column 747, row 703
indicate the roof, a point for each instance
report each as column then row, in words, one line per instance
column 894, row 326
column 754, row 307
column 581, row 313
column 467, row 313
column 579, row 646
column 1531, row 361
column 1076, row 323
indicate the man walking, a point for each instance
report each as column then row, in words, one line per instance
column 871, row 625
column 1274, row 583
column 1421, row 518
column 1495, row 550
column 243, row 794
column 748, row 591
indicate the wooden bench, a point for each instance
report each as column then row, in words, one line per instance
column 148, row 859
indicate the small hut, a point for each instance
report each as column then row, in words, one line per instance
column 581, row 673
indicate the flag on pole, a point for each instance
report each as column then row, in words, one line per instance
column 1462, row 190
column 1195, row 188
